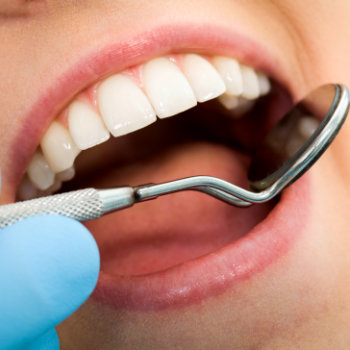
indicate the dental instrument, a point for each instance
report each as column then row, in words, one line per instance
column 289, row 150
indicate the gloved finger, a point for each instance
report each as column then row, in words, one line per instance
column 49, row 265
column 48, row 341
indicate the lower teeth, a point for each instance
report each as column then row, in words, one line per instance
column 238, row 106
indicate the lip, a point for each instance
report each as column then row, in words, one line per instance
column 116, row 56
column 214, row 273
column 206, row 276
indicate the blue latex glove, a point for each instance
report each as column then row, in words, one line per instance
column 49, row 265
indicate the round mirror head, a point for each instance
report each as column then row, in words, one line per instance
column 299, row 138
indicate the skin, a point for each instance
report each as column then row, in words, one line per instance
column 300, row 302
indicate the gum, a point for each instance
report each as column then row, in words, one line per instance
column 89, row 95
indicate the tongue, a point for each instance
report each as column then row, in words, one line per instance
column 155, row 235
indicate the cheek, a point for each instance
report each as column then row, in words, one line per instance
column 300, row 301
column 340, row 151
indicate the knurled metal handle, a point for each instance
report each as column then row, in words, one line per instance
column 80, row 205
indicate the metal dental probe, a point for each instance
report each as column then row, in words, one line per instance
column 274, row 166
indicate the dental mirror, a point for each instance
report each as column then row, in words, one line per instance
column 292, row 146
column 300, row 138
column 289, row 150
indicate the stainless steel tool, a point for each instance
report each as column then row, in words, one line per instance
column 289, row 150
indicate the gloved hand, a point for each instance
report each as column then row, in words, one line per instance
column 49, row 265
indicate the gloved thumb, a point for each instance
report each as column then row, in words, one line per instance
column 49, row 265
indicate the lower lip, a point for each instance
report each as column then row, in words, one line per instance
column 214, row 273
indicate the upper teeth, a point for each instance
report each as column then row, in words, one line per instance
column 123, row 106
column 126, row 102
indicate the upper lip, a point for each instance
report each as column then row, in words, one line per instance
column 98, row 62
column 116, row 56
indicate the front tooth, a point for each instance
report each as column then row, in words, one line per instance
column 40, row 173
column 86, row 126
column 203, row 78
column 251, row 89
column 59, row 148
column 230, row 71
column 167, row 88
column 123, row 106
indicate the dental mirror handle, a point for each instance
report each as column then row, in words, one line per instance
column 91, row 203
column 330, row 101
column 80, row 205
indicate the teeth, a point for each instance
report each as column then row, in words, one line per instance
column 40, row 173
column 203, row 78
column 238, row 106
column 307, row 126
column 59, row 148
column 66, row 175
column 167, row 88
column 86, row 126
column 54, row 188
column 123, row 106
column 230, row 72
column 229, row 102
column 250, row 83
column 27, row 190
column 244, row 106
column 130, row 101
column 264, row 84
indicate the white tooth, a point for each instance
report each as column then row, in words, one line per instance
column 230, row 71
column 40, row 173
column 123, row 106
column 167, row 88
column 250, row 83
column 86, row 126
column 244, row 106
column 239, row 106
column 203, row 78
column 264, row 84
column 66, row 175
column 54, row 188
column 26, row 190
column 59, row 148
column 307, row 126
column 229, row 102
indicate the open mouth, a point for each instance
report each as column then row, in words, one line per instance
column 171, row 117
column 132, row 100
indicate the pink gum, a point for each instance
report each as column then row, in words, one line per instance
column 89, row 95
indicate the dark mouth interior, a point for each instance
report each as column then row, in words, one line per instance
column 208, row 122
column 157, row 235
